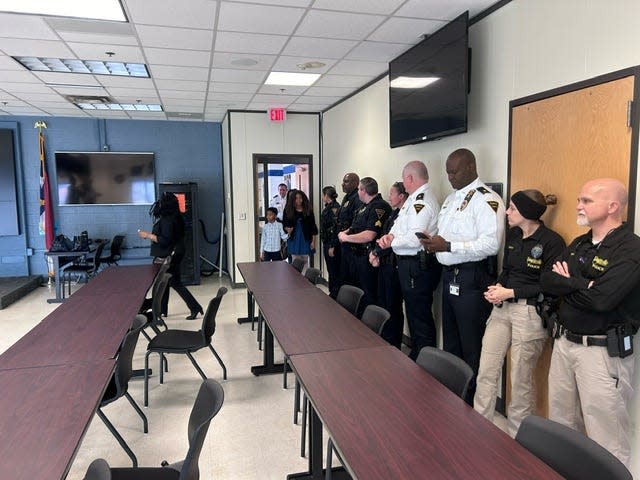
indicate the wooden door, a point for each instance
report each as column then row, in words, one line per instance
column 560, row 142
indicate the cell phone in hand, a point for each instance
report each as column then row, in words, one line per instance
column 421, row 236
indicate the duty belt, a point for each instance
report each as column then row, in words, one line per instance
column 528, row 301
column 466, row 265
column 586, row 340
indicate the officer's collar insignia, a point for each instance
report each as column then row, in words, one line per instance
column 536, row 251
column 483, row 190
column 493, row 204
column 418, row 207
column 345, row 203
column 378, row 223
column 466, row 200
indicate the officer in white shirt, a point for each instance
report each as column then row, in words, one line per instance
column 418, row 270
column 279, row 200
column 470, row 229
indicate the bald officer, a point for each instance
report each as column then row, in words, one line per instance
column 598, row 275
column 279, row 200
column 470, row 229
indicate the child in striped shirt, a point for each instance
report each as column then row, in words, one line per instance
column 272, row 234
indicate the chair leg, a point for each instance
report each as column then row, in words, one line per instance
column 145, row 423
column 296, row 402
column 166, row 362
column 161, row 368
column 119, row 438
column 146, row 335
column 284, row 373
column 259, row 331
column 146, row 379
column 303, row 436
column 195, row 364
column 327, row 475
column 224, row 368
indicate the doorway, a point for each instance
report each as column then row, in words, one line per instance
column 270, row 172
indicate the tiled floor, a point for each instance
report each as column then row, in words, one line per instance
column 253, row 436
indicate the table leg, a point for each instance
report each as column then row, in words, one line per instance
column 267, row 366
column 56, row 273
column 250, row 311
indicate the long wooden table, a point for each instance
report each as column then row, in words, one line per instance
column 53, row 378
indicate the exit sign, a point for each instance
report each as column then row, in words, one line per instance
column 277, row 115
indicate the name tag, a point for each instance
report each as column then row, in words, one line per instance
column 454, row 289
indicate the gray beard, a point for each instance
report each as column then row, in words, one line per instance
column 582, row 221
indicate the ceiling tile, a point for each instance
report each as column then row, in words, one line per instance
column 234, row 87
column 244, row 76
column 235, row 97
column 179, row 73
column 107, row 113
column 181, row 85
column 18, row 76
column 96, row 51
column 306, row 107
column 377, row 51
column 128, row 82
column 84, row 37
column 132, row 92
column 148, row 115
column 186, row 13
column 34, row 48
column 45, row 97
column 405, row 30
column 236, row 60
column 319, row 100
column 186, row 58
column 8, row 63
column 67, row 78
column 136, row 99
column 283, row 100
column 354, row 67
column 183, row 106
column 328, row 91
column 13, row 87
column 437, row 9
column 290, row 64
column 285, row 3
column 220, row 104
column 324, row 24
column 64, row 90
column 314, row 47
column 342, row 81
column 384, row 7
column 151, row 36
column 240, row 17
column 249, row 43
column 182, row 94
column 282, row 90
column 25, row 26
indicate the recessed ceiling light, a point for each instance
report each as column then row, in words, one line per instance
column 412, row 82
column 244, row 62
column 294, row 79
column 94, row 9
column 95, row 67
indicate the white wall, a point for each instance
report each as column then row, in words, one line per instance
column 251, row 133
column 525, row 47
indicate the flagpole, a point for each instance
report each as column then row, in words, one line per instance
column 46, row 221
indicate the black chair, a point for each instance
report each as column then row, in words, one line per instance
column 451, row 371
column 349, row 297
column 375, row 318
column 206, row 406
column 154, row 315
column 569, row 452
column 313, row 275
column 115, row 251
column 119, row 384
column 186, row 342
column 298, row 264
column 84, row 270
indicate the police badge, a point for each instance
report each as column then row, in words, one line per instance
column 536, row 251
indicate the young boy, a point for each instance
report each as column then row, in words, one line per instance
column 272, row 234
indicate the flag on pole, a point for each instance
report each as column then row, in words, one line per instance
column 46, row 210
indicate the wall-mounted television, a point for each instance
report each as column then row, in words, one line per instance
column 105, row 178
column 428, row 86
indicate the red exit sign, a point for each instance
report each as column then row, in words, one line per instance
column 277, row 115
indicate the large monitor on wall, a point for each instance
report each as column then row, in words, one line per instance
column 428, row 87
column 106, row 178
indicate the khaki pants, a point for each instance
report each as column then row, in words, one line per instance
column 519, row 326
column 590, row 390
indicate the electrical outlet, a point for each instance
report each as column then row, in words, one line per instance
column 242, row 216
column 29, row 252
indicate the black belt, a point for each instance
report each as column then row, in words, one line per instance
column 465, row 265
column 407, row 257
column 585, row 339
column 530, row 301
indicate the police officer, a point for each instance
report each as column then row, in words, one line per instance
column 350, row 204
column 598, row 276
column 279, row 200
column 360, row 239
column 419, row 272
column 530, row 249
column 329, row 236
column 470, row 229
column 389, row 290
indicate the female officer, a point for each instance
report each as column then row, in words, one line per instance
column 329, row 236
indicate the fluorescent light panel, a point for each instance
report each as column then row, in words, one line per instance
column 95, row 67
column 292, row 79
column 93, row 9
column 412, row 82
column 138, row 107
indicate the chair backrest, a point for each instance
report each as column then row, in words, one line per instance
column 298, row 264
column 206, row 406
column 451, row 371
column 96, row 257
column 349, row 297
column 209, row 319
column 312, row 274
column 98, row 470
column 375, row 318
column 124, row 368
column 116, row 248
column 569, row 452
column 159, row 288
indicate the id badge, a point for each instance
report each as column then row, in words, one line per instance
column 454, row 289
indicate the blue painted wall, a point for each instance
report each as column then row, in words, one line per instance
column 184, row 152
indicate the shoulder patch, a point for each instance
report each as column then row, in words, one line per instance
column 335, row 210
column 418, row 207
column 493, row 204
column 380, row 212
column 420, row 196
column 483, row 190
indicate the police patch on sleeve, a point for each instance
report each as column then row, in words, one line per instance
column 493, row 204
column 418, row 207
column 380, row 212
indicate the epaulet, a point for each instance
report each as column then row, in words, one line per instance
column 420, row 196
column 483, row 190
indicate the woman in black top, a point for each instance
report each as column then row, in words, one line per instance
column 167, row 237
column 300, row 223
column 329, row 236
column 530, row 249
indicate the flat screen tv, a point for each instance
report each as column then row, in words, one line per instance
column 105, row 178
column 428, row 87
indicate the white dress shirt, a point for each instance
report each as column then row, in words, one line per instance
column 279, row 203
column 419, row 213
column 474, row 224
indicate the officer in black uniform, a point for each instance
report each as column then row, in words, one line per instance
column 329, row 236
column 350, row 204
column 389, row 289
column 360, row 239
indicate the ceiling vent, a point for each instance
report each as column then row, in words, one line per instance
column 89, row 99
column 185, row 115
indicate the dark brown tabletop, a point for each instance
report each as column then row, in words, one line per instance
column 133, row 279
column 389, row 419
column 272, row 276
column 45, row 412
column 309, row 321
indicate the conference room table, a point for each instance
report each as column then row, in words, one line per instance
column 53, row 378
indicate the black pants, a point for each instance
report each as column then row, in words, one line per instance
column 348, row 269
column 418, row 284
column 333, row 269
column 367, row 276
column 272, row 256
column 390, row 298
column 464, row 316
column 176, row 283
